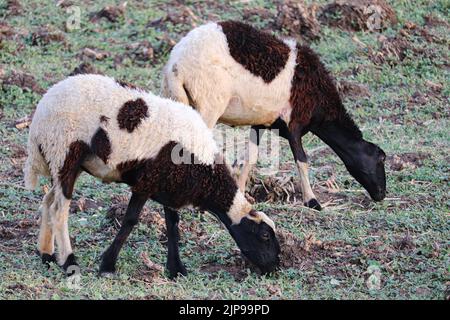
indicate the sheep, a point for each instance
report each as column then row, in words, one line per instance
column 161, row 148
column 237, row 75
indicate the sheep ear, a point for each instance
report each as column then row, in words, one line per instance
column 259, row 216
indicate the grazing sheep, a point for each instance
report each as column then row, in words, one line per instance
column 237, row 75
column 159, row 147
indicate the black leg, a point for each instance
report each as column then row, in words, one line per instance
column 294, row 135
column 256, row 133
column 130, row 219
column 174, row 264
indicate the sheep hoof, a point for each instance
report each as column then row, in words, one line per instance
column 106, row 274
column 176, row 270
column 48, row 258
column 71, row 266
column 313, row 204
column 107, row 270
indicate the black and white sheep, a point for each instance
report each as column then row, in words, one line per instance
column 232, row 73
column 117, row 133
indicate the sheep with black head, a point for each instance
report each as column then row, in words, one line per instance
column 234, row 74
column 162, row 149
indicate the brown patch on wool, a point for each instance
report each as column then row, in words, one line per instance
column 104, row 119
column 131, row 114
column 78, row 151
column 314, row 93
column 100, row 145
column 205, row 186
column 259, row 52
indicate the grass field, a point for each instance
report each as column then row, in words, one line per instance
column 395, row 84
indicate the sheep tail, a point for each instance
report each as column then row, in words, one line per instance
column 172, row 86
column 35, row 165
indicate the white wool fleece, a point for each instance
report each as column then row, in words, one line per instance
column 71, row 111
column 221, row 88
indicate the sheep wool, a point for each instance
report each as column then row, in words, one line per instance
column 202, row 64
column 127, row 123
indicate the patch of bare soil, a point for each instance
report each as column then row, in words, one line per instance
column 150, row 271
column 433, row 21
column 117, row 211
column 447, row 291
column 64, row 3
column 110, row 13
column 13, row 8
column 6, row 31
column 313, row 254
column 298, row 19
column 357, row 15
column 392, row 50
column 44, row 36
column 182, row 16
column 427, row 33
column 261, row 13
column 92, row 54
column 286, row 189
column 138, row 52
column 85, row 68
column 85, row 204
column 274, row 189
column 334, row 257
column 236, row 266
column 294, row 251
column 13, row 233
column 23, row 80
column 23, row 122
column 351, row 89
column 410, row 160
column 16, row 160
column 141, row 51
column 405, row 243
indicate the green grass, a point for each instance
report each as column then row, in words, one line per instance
column 358, row 233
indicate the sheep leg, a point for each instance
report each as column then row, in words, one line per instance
column 59, row 216
column 130, row 219
column 256, row 133
column 294, row 135
column 174, row 264
column 46, row 244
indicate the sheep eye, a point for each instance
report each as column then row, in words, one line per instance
column 265, row 236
